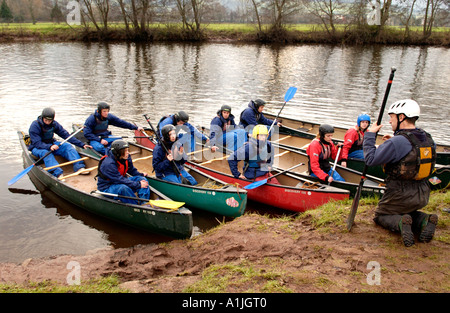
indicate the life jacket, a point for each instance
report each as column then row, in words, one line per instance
column 419, row 163
column 47, row 133
column 262, row 157
column 159, row 123
column 323, row 158
column 357, row 145
column 123, row 168
column 100, row 126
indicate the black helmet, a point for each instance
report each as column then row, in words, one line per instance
column 225, row 107
column 181, row 116
column 165, row 131
column 259, row 102
column 118, row 145
column 325, row 129
column 48, row 113
column 101, row 106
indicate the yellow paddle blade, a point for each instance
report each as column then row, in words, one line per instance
column 167, row 204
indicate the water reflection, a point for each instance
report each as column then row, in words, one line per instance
column 335, row 84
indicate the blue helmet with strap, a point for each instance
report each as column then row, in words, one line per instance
column 362, row 117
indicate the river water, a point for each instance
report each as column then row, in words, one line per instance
column 335, row 84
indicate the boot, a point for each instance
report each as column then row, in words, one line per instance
column 428, row 228
column 405, row 230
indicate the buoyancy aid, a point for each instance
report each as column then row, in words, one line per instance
column 100, row 126
column 358, row 144
column 419, row 163
column 324, row 164
column 47, row 132
column 123, row 168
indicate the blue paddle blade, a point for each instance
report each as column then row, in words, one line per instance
column 20, row 175
column 256, row 184
column 290, row 93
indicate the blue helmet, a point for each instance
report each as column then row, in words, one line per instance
column 363, row 117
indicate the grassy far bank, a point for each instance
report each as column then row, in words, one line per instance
column 294, row 33
column 330, row 259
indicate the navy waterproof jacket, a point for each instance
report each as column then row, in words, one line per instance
column 39, row 131
column 91, row 122
column 162, row 165
column 111, row 175
column 251, row 116
column 219, row 123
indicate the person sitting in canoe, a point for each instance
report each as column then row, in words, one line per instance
column 96, row 127
column 41, row 133
column 319, row 151
column 353, row 140
column 112, row 174
column 181, row 122
column 258, row 156
column 224, row 131
column 253, row 116
column 164, row 163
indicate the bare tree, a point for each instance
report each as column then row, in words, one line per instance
column 325, row 11
column 431, row 11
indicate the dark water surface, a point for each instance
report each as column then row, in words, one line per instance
column 335, row 84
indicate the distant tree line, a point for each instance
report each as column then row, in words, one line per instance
column 270, row 17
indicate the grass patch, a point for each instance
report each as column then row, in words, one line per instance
column 242, row 277
column 108, row 284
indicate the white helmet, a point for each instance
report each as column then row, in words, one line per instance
column 408, row 107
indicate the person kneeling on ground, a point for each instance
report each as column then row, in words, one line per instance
column 112, row 175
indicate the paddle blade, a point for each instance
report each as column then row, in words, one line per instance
column 20, row 175
column 290, row 93
column 167, row 204
column 256, row 184
column 353, row 210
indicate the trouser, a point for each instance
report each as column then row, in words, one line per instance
column 392, row 221
column 177, row 179
column 66, row 151
column 335, row 176
column 99, row 147
column 124, row 190
column 357, row 154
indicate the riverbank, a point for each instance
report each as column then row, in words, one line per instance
column 311, row 252
column 242, row 33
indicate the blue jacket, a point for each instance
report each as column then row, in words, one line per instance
column 256, row 159
column 109, row 169
column 96, row 129
column 171, row 120
column 219, row 123
column 42, row 135
column 162, row 165
column 251, row 116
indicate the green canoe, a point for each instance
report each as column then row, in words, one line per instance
column 78, row 189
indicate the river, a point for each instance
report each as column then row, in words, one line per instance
column 335, row 84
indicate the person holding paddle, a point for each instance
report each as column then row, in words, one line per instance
column 258, row 156
column 409, row 158
column 319, row 151
column 112, row 174
column 42, row 132
column 224, row 131
column 164, row 163
column 253, row 116
column 353, row 140
column 96, row 127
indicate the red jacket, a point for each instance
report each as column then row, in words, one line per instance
column 318, row 154
column 353, row 140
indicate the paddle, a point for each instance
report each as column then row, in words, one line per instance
column 174, row 165
column 259, row 183
column 166, row 204
column 355, row 203
column 335, row 162
column 25, row 171
column 288, row 96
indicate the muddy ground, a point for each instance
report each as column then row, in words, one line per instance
column 256, row 253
